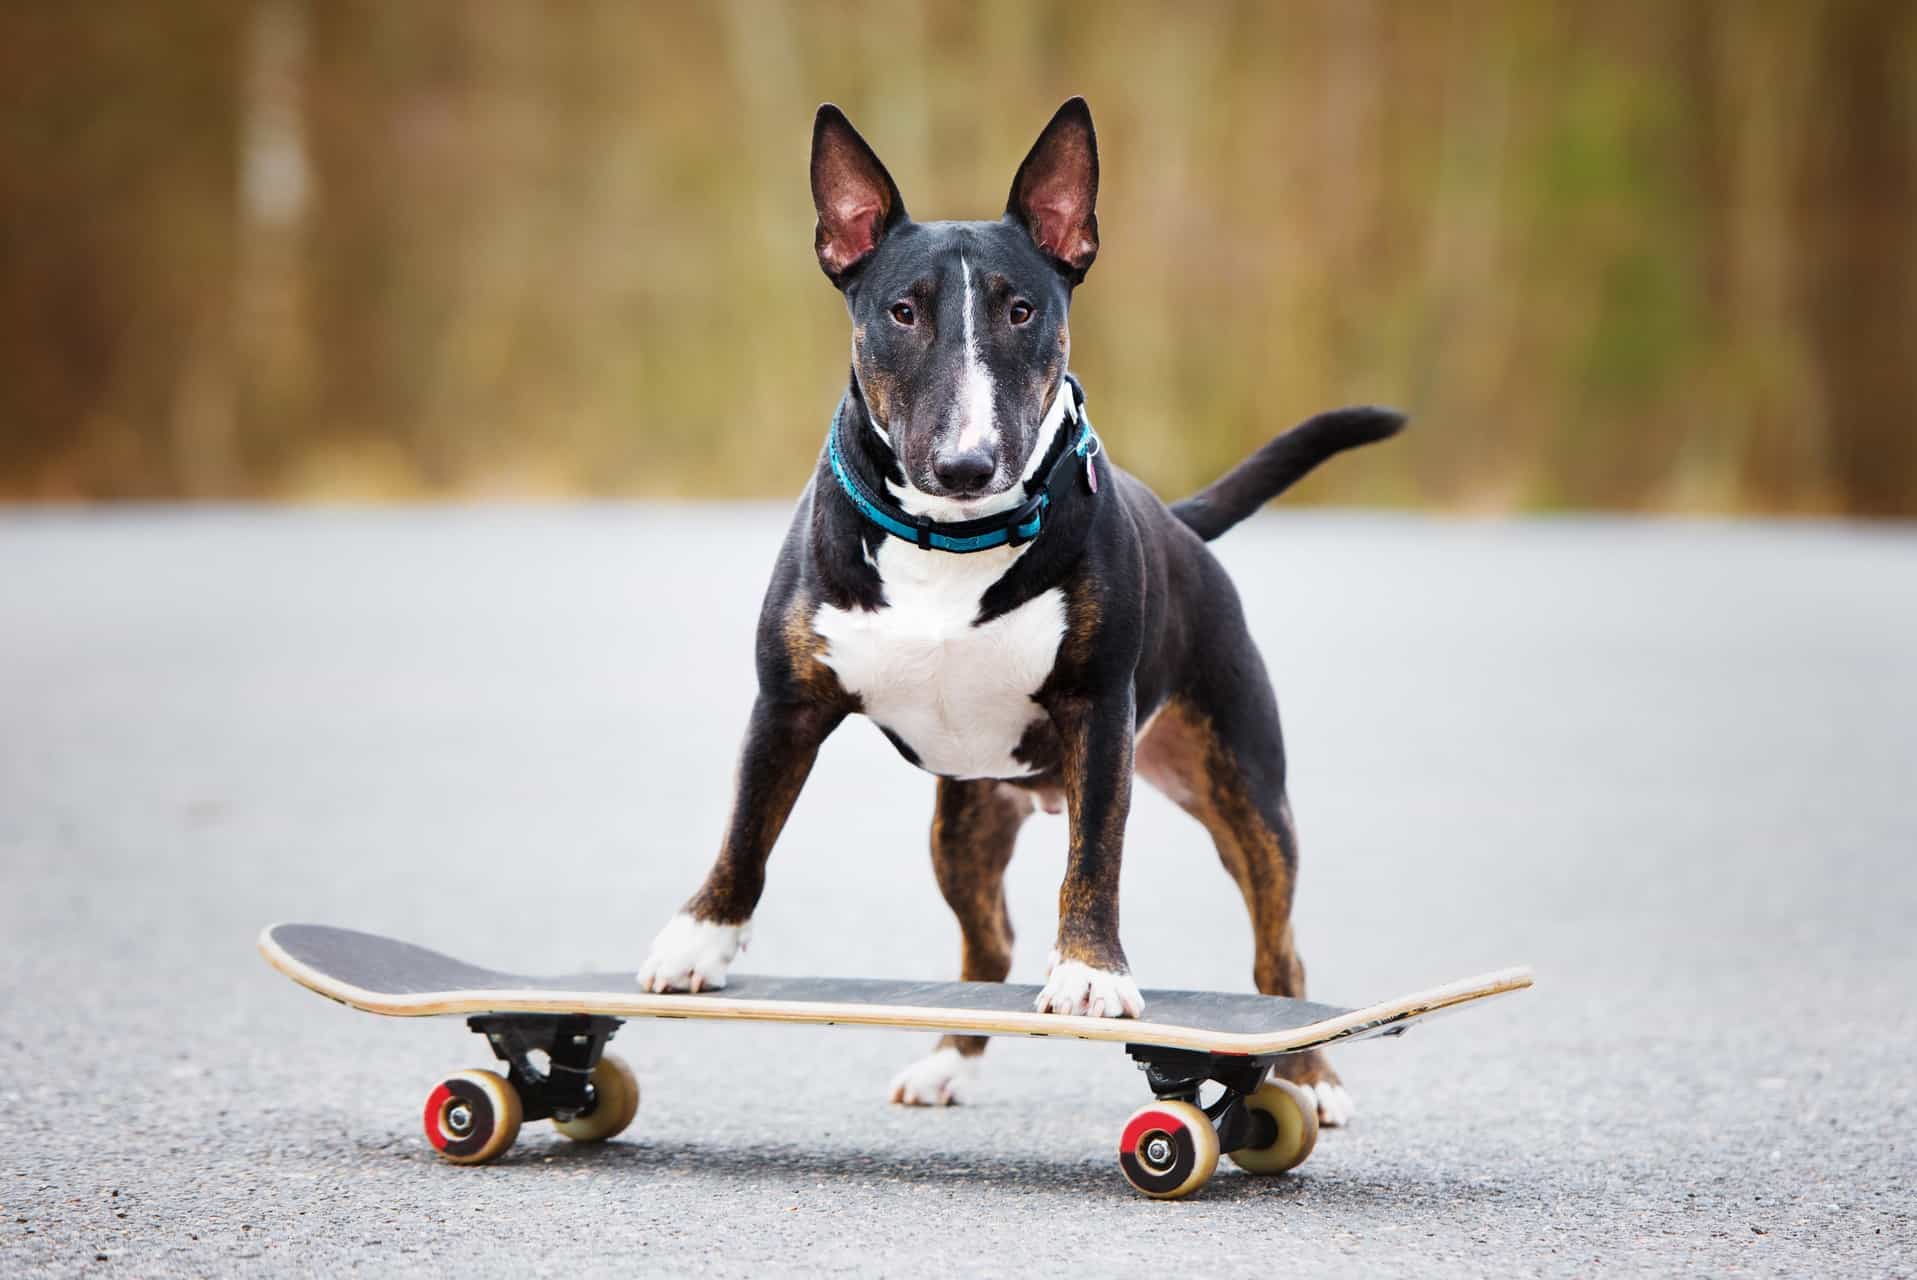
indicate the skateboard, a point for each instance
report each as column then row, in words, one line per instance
column 551, row 1033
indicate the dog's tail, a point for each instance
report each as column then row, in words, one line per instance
column 1281, row 464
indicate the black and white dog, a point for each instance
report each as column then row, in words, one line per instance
column 1019, row 616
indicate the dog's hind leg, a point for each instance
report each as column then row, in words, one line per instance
column 974, row 828
column 1227, row 771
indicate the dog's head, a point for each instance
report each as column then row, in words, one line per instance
column 959, row 337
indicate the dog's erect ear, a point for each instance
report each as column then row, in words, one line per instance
column 1055, row 194
column 853, row 193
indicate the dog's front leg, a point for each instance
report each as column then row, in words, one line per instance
column 693, row 951
column 1089, row 974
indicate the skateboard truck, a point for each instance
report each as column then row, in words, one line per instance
column 572, row 1045
column 1171, row 1147
column 556, row 1066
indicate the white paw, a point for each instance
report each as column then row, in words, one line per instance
column 692, row 955
column 936, row 1080
column 1335, row 1106
column 1079, row 988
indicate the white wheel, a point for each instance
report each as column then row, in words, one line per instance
column 1293, row 1116
column 1168, row 1149
column 615, row 1102
column 472, row 1117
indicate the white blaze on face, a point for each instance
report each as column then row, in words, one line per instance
column 973, row 408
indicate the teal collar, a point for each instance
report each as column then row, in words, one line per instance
column 1015, row 527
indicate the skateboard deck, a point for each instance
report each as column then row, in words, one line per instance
column 384, row 975
column 551, row 1033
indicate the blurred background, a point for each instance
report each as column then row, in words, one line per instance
column 1630, row 255
column 1612, row 254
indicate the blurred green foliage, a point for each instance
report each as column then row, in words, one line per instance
column 1641, row 254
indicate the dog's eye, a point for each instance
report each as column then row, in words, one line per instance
column 903, row 313
column 1021, row 311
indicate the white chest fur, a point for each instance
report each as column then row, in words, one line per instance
column 959, row 695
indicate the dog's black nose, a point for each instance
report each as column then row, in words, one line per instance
column 964, row 473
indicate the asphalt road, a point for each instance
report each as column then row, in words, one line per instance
column 1668, row 764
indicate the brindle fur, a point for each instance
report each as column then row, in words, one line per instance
column 1249, row 819
column 975, row 824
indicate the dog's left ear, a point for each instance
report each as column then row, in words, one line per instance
column 1055, row 194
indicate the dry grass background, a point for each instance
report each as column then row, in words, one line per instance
column 1638, row 254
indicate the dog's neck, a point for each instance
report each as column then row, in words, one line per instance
column 882, row 464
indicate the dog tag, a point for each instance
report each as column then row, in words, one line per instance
column 1091, row 473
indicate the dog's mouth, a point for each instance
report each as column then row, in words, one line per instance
column 1001, row 482
column 928, row 497
column 977, row 507
column 973, row 506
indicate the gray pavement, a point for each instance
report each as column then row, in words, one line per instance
column 1668, row 764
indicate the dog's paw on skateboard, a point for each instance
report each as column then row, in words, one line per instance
column 692, row 955
column 939, row 1079
column 1078, row 988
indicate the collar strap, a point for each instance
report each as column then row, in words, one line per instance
column 1015, row 527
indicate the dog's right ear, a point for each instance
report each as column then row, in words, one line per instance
column 853, row 193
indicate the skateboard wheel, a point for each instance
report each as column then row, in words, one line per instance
column 1168, row 1149
column 1293, row 1113
column 615, row 1101
column 472, row 1117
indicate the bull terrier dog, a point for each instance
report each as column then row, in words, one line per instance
column 1022, row 619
